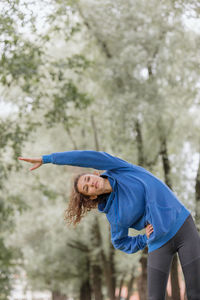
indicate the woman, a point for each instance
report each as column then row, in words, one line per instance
column 132, row 197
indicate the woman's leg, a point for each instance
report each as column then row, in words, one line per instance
column 158, row 266
column 188, row 241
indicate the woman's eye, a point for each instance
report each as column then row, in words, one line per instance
column 88, row 179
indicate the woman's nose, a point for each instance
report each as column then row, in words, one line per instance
column 92, row 184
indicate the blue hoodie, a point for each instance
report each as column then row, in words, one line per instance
column 138, row 198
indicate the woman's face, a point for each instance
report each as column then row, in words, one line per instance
column 91, row 185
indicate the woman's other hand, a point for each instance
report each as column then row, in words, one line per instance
column 36, row 161
column 149, row 230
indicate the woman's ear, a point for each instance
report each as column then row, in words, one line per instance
column 96, row 173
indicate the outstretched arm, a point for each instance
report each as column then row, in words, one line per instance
column 82, row 158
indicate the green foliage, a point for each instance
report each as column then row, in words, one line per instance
column 68, row 95
column 78, row 63
column 5, row 265
column 19, row 58
column 130, row 66
column 12, row 136
column 22, row 62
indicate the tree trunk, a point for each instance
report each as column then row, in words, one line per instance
column 97, row 282
column 107, row 264
column 103, row 45
column 130, row 286
column 85, row 291
column 120, row 286
column 109, row 271
column 197, row 198
column 110, row 277
column 139, row 140
column 95, row 133
column 142, row 280
column 71, row 137
column 109, row 274
column 166, row 167
column 95, row 242
column 58, row 296
column 165, row 162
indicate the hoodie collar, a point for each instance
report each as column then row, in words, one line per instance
column 105, row 206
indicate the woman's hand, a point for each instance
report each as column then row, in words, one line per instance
column 149, row 230
column 36, row 161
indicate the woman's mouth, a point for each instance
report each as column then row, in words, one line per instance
column 96, row 185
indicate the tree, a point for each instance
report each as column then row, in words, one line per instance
column 95, row 58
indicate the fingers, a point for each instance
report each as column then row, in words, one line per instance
column 26, row 159
column 149, row 226
column 149, row 230
column 31, row 160
column 35, row 167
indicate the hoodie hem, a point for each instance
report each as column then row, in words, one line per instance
column 164, row 239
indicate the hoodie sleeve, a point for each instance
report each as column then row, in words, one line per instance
column 88, row 158
column 125, row 243
column 140, row 224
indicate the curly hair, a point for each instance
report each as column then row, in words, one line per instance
column 80, row 204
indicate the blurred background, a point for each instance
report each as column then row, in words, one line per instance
column 115, row 76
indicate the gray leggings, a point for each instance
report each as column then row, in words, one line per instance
column 187, row 243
